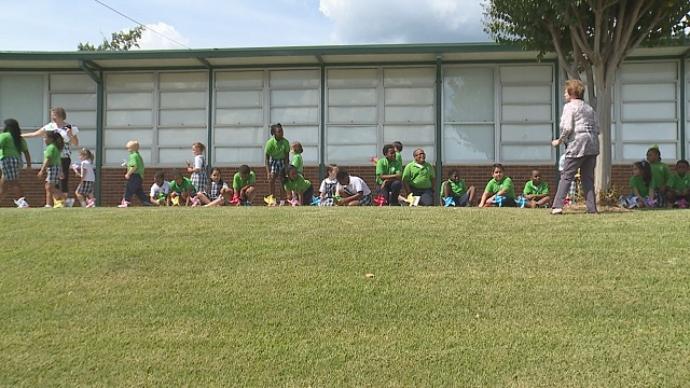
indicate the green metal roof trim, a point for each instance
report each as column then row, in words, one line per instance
column 263, row 51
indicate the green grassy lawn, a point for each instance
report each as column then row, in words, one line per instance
column 279, row 297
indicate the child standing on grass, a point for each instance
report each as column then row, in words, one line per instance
column 298, row 190
column 181, row 190
column 134, row 176
column 199, row 170
column 11, row 144
column 52, row 169
column 327, row 190
column 277, row 151
column 243, row 183
column 160, row 190
column 499, row 190
column 353, row 190
column 536, row 191
column 454, row 192
column 678, row 192
column 660, row 173
column 219, row 192
column 84, row 170
column 297, row 160
column 642, row 185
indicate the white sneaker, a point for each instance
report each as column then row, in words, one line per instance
column 556, row 211
column 48, row 206
column 124, row 204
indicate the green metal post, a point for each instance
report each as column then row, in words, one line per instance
column 439, row 126
column 683, row 106
column 556, row 108
column 100, row 106
column 209, row 126
column 322, row 125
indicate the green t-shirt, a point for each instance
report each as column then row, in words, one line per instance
column 387, row 167
column 277, row 149
column 418, row 177
column 458, row 188
column 7, row 147
column 506, row 183
column 238, row 182
column 398, row 157
column 52, row 154
column 677, row 182
column 137, row 162
column 185, row 187
column 298, row 162
column 299, row 185
column 660, row 173
column 532, row 189
column 636, row 182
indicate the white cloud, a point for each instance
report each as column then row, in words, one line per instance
column 151, row 40
column 401, row 21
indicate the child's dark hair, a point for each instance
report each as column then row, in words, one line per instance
column 646, row 170
column 387, row 147
column 398, row 146
column 657, row 150
column 177, row 174
column 683, row 161
column 330, row 168
column 56, row 139
column 499, row 166
column 244, row 169
column 453, row 172
column 12, row 126
column 274, row 127
column 298, row 147
column 214, row 169
column 86, row 152
column 342, row 174
column 159, row 175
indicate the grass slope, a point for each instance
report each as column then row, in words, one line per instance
column 258, row 296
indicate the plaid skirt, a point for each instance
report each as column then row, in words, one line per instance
column 277, row 166
column 53, row 175
column 86, row 187
column 10, row 168
column 365, row 200
column 200, row 181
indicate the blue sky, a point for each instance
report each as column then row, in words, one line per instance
column 53, row 25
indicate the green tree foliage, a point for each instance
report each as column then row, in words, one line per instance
column 120, row 41
column 591, row 38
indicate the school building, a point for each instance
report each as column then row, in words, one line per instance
column 467, row 105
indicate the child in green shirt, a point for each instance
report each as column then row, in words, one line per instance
column 297, row 157
column 536, row 191
column 181, row 190
column 299, row 191
column 134, row 176
column 11, row 144
column 499, row 191
column 642, row 186
column 52, row 169
column 243, row 185
column 277, row 152
column 660, row 172
column 454, row 191
column 388, row 175
column 678, row 192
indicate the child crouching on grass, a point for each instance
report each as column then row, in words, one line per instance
column 678, row 193
column 243, row 185
column 299, row 191
column 181, row 190
column 160, row 190
column 536, row 191
column 643, row 187
column 134, row 176
column 219, row 192
column 352, row 190
column 84, row 170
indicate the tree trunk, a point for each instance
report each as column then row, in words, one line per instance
column 602, row 174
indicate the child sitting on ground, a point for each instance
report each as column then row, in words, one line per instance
column 219, row 193
column 454, row 192
column 642, row 185
column 536, row 192
column 243, row 185
column 328, row 186
column 352, row 190
column 678, row 192
column 299, row 191
column 160, row 190
column 499, row 190
column 181, row 190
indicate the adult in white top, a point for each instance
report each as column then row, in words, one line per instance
column 69, row 134
column 580, row 134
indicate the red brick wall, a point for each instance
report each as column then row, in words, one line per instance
column 113, row 179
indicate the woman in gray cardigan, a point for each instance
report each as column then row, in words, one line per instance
column 580, row 134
